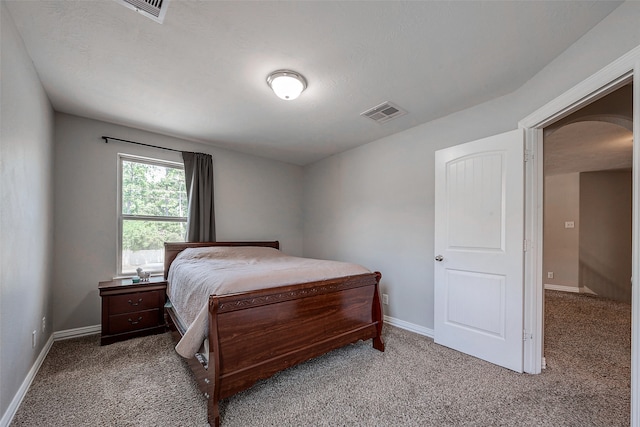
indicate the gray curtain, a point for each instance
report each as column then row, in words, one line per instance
column 198, row 172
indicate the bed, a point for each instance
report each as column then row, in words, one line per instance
column 254, row 333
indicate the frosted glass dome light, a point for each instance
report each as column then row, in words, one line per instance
column 287, row 84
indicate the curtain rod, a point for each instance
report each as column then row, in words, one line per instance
column 107, row 138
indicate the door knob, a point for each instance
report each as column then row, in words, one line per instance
column 439, row 258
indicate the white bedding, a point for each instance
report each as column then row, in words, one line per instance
column 197, row 273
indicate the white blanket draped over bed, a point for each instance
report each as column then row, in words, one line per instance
column 197, row 273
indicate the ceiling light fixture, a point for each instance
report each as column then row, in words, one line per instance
column 287, row 84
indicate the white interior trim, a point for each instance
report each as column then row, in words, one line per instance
column 586, row 290
column 22, row 391
column 585, row 92
column 533, row 220
column 409, row 326
column 562, row 288
column 77, row 332
column 635, row 235
column 601, row 83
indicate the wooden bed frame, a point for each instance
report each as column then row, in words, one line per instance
column 253, row 335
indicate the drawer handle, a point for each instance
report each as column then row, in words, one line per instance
column 135, row 322
column 135, row 303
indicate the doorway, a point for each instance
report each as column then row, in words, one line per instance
column 587, row 245
column 588, row 158
column 617, row 74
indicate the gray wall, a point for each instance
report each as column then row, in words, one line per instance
column 561, row 245
column 26, row 213
column 375, row 204
column 596, row 254
column 372, row 205
column 605, row 234
column 256, row 199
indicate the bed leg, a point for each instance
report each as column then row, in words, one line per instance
column 213, row 371
column 378, row 344
column 213, row 411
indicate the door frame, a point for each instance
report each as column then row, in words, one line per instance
column 608, row 79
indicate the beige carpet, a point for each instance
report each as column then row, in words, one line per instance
column 142, row 382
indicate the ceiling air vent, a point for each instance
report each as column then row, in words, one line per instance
column 384, row 112
column 154, row 9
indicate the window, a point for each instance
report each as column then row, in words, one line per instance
column 152, row 210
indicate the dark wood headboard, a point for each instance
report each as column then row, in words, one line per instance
column 171, row 250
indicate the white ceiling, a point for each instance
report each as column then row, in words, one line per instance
column 201, row 74
column 597, row 137
column 588, row 146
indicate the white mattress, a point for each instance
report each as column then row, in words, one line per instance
column 197, row 273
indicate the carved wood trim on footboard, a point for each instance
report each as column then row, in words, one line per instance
column 255, row 334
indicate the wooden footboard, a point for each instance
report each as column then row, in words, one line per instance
column 253, row 335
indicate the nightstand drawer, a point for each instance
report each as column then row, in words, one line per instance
column 132, row 310
column 133, row 321
column 139, row 301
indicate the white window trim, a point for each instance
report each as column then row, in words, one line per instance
column 120, row 216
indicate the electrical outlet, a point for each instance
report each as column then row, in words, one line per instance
column 33, row 339
column 385, row 299
column 550, row 275
column 569, row 224
column 44, row 324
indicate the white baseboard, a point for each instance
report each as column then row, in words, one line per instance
column 76, row 333
column 409, row 326
column 22, row 391
column 562, row 288
column 565, row 288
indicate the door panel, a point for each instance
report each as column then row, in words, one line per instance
column 464, row 289
column 479, row 235
column 475, row 198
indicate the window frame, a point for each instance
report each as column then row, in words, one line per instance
column 122, row 157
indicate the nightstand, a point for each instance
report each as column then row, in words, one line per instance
column 132, row 309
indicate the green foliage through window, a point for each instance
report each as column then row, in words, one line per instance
column 153, row 190
column 154, row 209
column 150, row 235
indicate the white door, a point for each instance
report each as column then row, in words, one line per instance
column 479, row 241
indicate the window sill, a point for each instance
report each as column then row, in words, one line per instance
column 158, row 274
